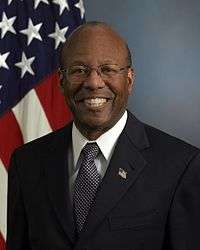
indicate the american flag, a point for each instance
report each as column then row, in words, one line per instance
column 31, row 103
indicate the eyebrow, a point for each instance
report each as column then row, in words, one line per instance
column 79, row 62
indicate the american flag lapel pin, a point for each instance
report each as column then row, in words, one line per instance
column 122, row 173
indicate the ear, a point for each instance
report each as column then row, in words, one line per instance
column 131, row 79
column 61, row 79
column 62, row 86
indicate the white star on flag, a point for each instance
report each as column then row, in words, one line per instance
column 81, row 7
column 10, row 1
column 25, row 65
column 7, row 25
column 59, row 35
column 3, row 58
column 63, row 4
column 32, row 31
column 38, row 1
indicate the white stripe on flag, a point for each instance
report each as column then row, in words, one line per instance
column 3, row 198
column 31, row 117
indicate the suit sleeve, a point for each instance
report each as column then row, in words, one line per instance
column 183, row 227
column 17, row 228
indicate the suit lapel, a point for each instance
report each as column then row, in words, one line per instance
column 125, row 167
column 57, row 180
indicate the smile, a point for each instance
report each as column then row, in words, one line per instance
column 95, row 102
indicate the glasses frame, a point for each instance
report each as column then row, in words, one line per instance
column 64, row 72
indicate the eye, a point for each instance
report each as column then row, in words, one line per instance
column 77, row 70
column 108, row 69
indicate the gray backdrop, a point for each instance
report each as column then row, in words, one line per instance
column 164, row 36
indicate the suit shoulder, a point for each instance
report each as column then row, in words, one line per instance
column 27, row 158
column 145, row 135
column 169, row 144
column 42, row 142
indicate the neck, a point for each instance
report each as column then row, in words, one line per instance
column 91, row 135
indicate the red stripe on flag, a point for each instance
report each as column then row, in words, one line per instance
column 53, row 102
column 10, row 135
column 2, row 242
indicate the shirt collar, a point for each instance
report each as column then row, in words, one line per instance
column 106, row 141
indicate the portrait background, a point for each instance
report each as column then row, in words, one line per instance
column 164, row 37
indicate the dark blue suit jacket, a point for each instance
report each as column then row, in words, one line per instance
column 156, row 207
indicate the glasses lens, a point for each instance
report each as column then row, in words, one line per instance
column 109, row 70
column 77, row 71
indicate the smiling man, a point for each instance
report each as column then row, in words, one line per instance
column 96, row 64
column 106, row 181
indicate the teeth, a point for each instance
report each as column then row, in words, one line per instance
column 95, row 102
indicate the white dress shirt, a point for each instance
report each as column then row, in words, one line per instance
column 106, row 143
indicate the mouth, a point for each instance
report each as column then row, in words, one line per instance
column 94, row 102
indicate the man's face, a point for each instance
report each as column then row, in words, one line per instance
column 96, row 103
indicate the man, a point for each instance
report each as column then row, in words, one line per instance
column 106, row 181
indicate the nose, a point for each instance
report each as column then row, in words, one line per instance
column 94, row 80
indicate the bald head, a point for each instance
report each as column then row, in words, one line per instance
column 95, row 34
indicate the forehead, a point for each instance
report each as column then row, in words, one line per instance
column 94, row 45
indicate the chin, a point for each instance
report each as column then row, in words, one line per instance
column 98, row 124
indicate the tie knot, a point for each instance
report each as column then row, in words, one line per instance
column 91, row 150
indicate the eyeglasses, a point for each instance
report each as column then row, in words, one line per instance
column 78, row 73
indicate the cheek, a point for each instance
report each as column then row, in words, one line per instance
column 68, row 96
column 69, row 91
column 123, row 91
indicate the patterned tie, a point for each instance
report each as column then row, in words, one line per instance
column 86, row 184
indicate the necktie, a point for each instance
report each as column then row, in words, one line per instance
column 86, row 184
